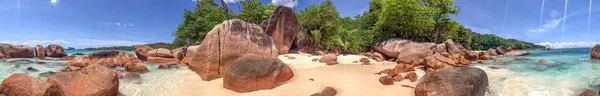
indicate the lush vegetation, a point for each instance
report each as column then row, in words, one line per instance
column 153, row 45
column 416, row 20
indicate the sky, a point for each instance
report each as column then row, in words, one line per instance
column 98, row 23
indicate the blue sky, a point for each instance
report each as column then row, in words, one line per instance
column 94, row 23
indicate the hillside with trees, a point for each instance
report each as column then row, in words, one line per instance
column 416, row 20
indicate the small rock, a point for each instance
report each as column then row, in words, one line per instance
column 542, row 61
column 412, row 76
column 398, row 78
column 480, row 62
column 385, row 80
column 332, row 63
column 47, row 74
column 354, row 61
column 493, row 67
column 365, row 60
column 291, row 58
column 384, row 71
column 327, row 92
column 315, row 59
column 168, row 66
column 119, row 75
column 522, row 59
column 32, row 69
column 40, row 62
column 311, row 79
column 587, row 92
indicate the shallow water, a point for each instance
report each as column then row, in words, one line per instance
column 564, row 74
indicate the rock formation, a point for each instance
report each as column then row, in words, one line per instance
column 461, row 81
column 225, row 43
column 56, row 51
column 282, row 26
column 25, row 85
column 252, row 72
column 94, row 80
column 141, row 51
column 40, row 52
column 108, row 58
column 595, row 54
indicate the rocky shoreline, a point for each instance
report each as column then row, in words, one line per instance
column 245, row 58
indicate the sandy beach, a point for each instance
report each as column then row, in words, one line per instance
column 349, row 79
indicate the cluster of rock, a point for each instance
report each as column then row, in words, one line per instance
column 397, row 74
column 22, row 51
column 94, row 80
column 164, row 56
column 241, row 53
column 109, row 58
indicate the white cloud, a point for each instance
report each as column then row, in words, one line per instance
column 567, row 44
column 478, row 30
column 117, row 24
column 32, row 43
column 286, row 3
column 53, row 2
column 550, row 24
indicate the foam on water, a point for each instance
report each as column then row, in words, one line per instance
column 564, row 74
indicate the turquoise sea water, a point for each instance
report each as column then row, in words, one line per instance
column 564, row 74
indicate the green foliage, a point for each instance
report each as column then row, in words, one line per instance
column 253, row 12
column 198, row 23
column 314, row 16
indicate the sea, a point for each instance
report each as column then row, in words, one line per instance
column 567, row 72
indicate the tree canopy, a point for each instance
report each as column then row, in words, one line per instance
column 416, row 20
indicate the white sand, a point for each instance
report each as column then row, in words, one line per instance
column 349, row 79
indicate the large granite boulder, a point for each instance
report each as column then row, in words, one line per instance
column 162, row 61
column 225, row 43
column 451, row 46
column 283, row 26
column 390, row 47
column 517, row 53
column 413, row 52
column 501, row 49
column 595, row 54
column 25, row 85
column 304, row 42
column 160, row 52
column 2, row 56
column 189, row 54
column 255, row 72
column 94, row 80
column 492, row 52
column 6, row 49
column 135, row 67
column 40, row 52
column 460, row 81
column 108, row 58
column 179, row 53
column 141, row 51
column 54, row 50
column 22, row 51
